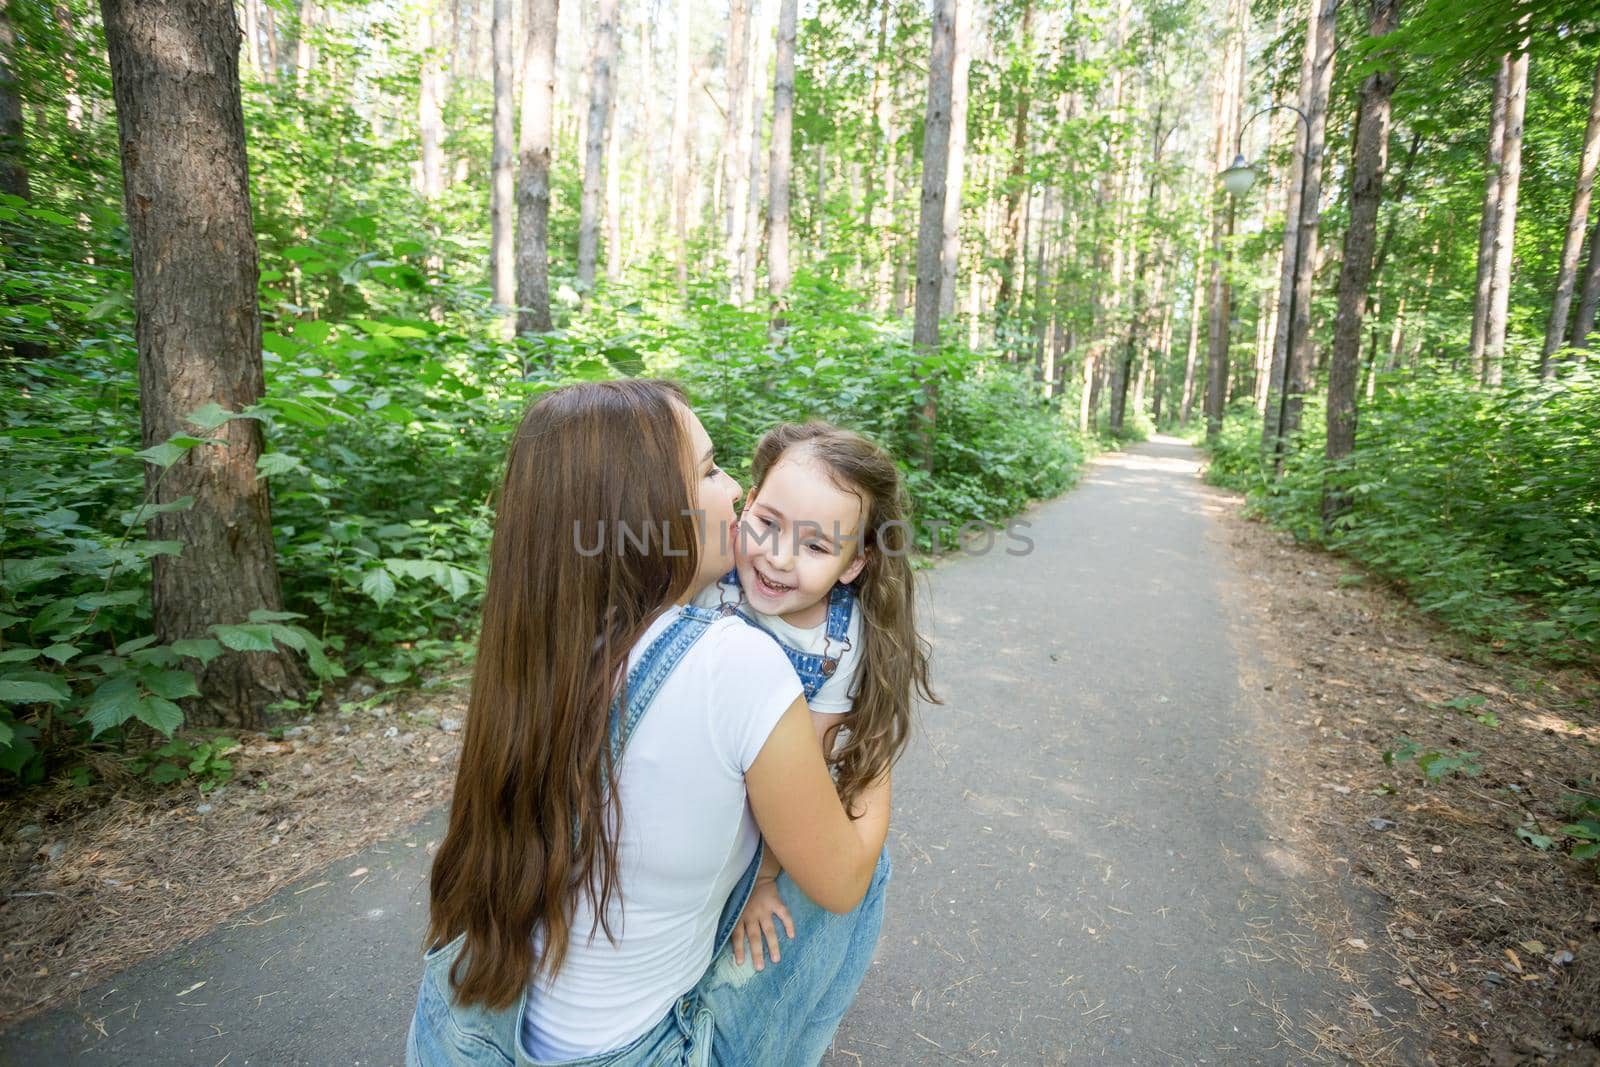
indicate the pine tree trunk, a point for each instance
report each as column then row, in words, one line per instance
column 430, row 117
column 305, row 57
column 533, row 176
column 1220, row 291
column 1016, row 180
column 186, row 195
column 1300, row 351
column 1494, row 327
column 613, row 211
column 1583, row 325
column 751, row 250
column 930, row 228
column 1282, row 339
column 680, row 149
column 1191, row 358
column 955, row 169
column 594, row 154
column 735, row 174
column 1355, row 271
column 1489, row 220
column 779, row 272
column 502, row 188
column 13, row 131
column 1555, row 334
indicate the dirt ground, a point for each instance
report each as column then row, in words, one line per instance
column 1492, row 945
column 1492, row 948
column 99, row 878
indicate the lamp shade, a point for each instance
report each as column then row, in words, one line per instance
column 1238, row 178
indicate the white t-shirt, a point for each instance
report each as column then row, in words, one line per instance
column 836, row 696
column 687, row 835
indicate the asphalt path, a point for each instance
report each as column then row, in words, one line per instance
column 1081, row 870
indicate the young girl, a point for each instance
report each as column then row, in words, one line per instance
column 821, row 565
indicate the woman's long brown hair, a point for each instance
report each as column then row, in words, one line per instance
column 895, row 658
column 588, row 462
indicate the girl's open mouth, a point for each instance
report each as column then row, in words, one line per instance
column 770, row 587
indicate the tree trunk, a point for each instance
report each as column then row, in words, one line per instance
column 1282, row 335
column 955, row 168
column 430, row 118
column 680, row 150
column 779, row 273
column 1125, row 361
column 1555, row 334
column 613, row 210
column 594, row 156
column 1016, row 179
column 269, row 28
column 1191, row 358
column 1300, row 351
column 1220, row 290
column 734, row 172
column 13, row 134
column 1355, row 271
column 1494, row 327
column 175, row 79
column 930, row 228
column 502, row 187
column 751, row 251
column 1489, row 220
column 1583, row 325
column 252, row 31
column 305, row 57
column 533, row 177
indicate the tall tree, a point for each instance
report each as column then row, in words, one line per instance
column 1583, row 324
column 602, row 61
column 1355, row 270
column 533, row 174
column 680, row 147
column 430, row 116
column 779, row 272
column 1494, row 327
column 186, row 196
column 1489, row 218
column 502, row 178
column 1016, row 178
column 930, row 221
column 1555, row 334
column 1299, row 354
column 950, row 256
column 1220, row 290
column 734, row 172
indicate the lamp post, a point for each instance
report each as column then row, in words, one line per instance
column 1238, row 179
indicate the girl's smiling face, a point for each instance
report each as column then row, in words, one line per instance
column 799, row 536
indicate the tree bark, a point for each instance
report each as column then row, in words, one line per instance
column 680, row 149
column 1494, row 327
column 594, row 156
column 13, row 131
column 502, row 178
column 1220, row 291
column 1300, row 351
column 955, row 169
column 430, row 117
column 1555, row 334
column 533, row 177
column 930, row 228
column 1583, row 325
column 1191, row 357
column 1355, row 271
column 734, row 172
column 1016, row 178
column 1124, row 365
column 751, row 250
column 1489, row 220
column 175, row 79
column 779, row 272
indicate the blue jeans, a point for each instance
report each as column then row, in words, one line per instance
column 735, row 1015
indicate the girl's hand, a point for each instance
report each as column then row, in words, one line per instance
column 756, row 923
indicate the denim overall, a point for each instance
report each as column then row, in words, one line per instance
column 813, row 668
column 786, row 1014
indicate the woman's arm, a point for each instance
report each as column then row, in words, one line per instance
column 828, row 855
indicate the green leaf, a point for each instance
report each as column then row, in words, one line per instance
column 203, row 649
column 39, row 690
column 272, row 463
column 212, row 415
column 164, row 773
column 113, row 704
column 121, row 598
column 1588, row 850
column 263, row 615
column 18, row 655
column 145, row 512
column 159, row 714
column 174, row 685
column 6, row 734
column 1542, row 842
column 62, row 652
column 248, row 638
column 377, row 584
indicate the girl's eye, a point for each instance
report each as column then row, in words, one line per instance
column 714, row 471
column 816, row 547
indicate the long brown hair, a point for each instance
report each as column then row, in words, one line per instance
column 534, row 817
column 895, row 658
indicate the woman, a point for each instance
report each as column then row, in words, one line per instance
column 623, row 755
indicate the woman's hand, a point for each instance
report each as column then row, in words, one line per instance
column 756, row 923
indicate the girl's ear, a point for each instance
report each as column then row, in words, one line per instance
column 855, row 568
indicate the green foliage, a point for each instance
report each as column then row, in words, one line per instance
column 204, row 761
column 1433, row 763
column 1483, row 504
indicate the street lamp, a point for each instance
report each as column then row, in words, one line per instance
column 1238, row 179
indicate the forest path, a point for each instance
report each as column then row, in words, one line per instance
column 1081, row 869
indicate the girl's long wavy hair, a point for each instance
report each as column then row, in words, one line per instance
column 534, row 818
column 895, row 659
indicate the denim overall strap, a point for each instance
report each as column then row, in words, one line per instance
column 648, row 675
column 841, row 603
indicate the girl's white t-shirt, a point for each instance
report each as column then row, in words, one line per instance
column 686, row 836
